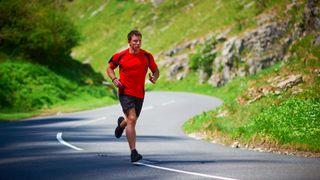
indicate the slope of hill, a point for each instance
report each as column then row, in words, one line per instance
column 164, row 24
column 203, row 44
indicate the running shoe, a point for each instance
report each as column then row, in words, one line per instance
column 135, row 156
column 119, row 130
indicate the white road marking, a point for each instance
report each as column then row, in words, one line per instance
column 169, row 102
column 185, row 172
column 147, row 108
column 59, row 137
column 88, row 122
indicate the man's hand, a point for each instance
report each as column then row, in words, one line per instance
column 152, row 78
column 117, row 83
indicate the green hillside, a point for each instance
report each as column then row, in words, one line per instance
column 105, row 24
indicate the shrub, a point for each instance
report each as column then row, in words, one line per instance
column 36, row 29
column 25, row 86
column 204, row 57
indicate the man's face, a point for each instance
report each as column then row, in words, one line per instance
column 135, row 42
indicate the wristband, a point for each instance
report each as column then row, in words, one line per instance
column 114, row 79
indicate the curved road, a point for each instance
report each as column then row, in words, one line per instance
column 82, row 146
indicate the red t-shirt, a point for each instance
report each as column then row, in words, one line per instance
column 133, row 70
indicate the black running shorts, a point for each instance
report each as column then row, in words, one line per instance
column 127, row 102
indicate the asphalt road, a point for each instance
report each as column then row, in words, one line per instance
column 82, row 146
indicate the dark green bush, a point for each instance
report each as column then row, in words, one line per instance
column 37, row 30
column 25, row 86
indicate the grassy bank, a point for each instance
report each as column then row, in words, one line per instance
column 29, row 89
column 281, row 122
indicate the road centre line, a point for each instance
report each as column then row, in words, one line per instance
column 163, row 104
column 59, row 138
column 169, row 102
column 88, row 122
column 184, row 172
column 147, row 108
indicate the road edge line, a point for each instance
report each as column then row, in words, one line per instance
column 59, row 138
column 185, row 172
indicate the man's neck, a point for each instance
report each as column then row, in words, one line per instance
column 132, row 51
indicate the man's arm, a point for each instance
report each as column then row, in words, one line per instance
column 155, row 75
column 113, row 77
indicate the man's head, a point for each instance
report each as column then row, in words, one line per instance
column 134, row 40
column 133, row 33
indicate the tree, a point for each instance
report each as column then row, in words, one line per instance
column 35, row 29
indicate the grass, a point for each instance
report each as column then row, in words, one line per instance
column 28, row 89
column 84, row 103
column 163, row 27
column 286, row 121
column 292, row 121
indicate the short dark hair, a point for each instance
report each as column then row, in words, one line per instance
column 134, row 33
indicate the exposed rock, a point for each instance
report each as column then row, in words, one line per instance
column 197, row 136
column 296, row 90
column 156, row 2
column 276, row 86
column 262, row 39
column 178, row 67
column 288, row 82
column 203, row 76
column 265, row 18
column 178, row 49
column 312, row 15
column 222, row 113
column 316, row 41
column 317, row 71
column 262, row 48
column 216, row 80
column 250, row 52
column 221, row 37
column 235, row 144
column 249, row 5
column 100, row 9
column 242, row 72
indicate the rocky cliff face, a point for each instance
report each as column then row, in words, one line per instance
column 256, row 50
column 249, row 52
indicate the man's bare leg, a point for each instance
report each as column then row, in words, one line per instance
column 130, row 121
column 123, row 124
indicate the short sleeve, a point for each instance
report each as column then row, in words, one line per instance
column 152, row 65
column 113, row 62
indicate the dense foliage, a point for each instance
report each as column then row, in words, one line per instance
column 25, row 86
column 37, row 30
column 36, row 70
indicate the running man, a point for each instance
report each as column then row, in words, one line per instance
column 133, row 65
